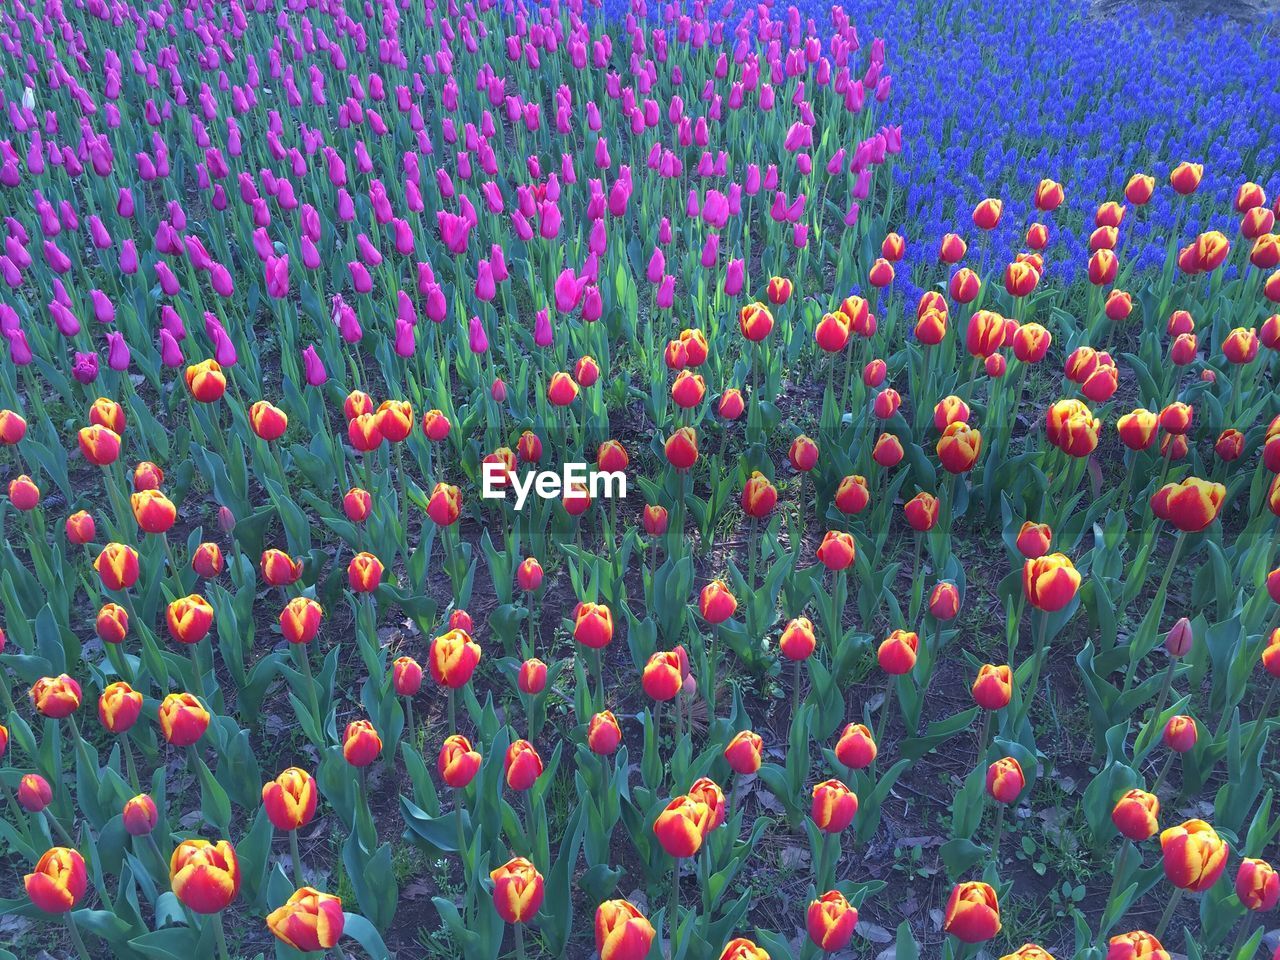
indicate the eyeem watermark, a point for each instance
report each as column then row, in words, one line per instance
column 550, row 485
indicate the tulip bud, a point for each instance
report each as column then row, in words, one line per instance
column 856, row 748
column 119, row 707
column 1193, row 856
column 830, row 921
column 834, row 806
column 81, row 528
column 1180, row 638
column 1257, row 884
column 743, row 752
column 406, row 676
column 34, row 793
column 205, row 876
column 361, row 743
column 183, row 720
column 58, row 881
column 1180, row 734
column 518, row 890
column 603, row 733
column 290, row 799
column 973, row 912
column 593, row 625
column 532, row 678
column 1005, row 780
column 522, row 765
column 458, row 763
column 140, row 815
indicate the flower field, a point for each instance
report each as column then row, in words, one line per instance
column 544, row 480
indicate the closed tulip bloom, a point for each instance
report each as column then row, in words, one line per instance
column 459, row 619
column 897, row 654
column 1031, row 342
column 458, row 762
column 12, row 427
column 1139, row 189
column 205, row 876
column 406, row 676
column 740, row 948
column 1264, row 255
column 357, row 403
column 112, row 623
column 1029, row 951
column 205, row 381
column 55, row 697
column 964, row 286
column 34, row 792
column 117, row 566
column 834, row 806
column 586, row 371
column 973, row 912
column 743, row 752
column 921, row 512
column 278, row 569
column 207, row 561
column 662, row 676
column 1037, row 236
column 803, row 454
column 836, row 552
column 1020, row 279
column 1119, row 305
column 435, row 425
column 952, row 248
column 1005, row 780
column 300, row 620
column 1072, row 427
column 364, row 572
column 529, row 575
column 1185, row 177
column 944, row 601
column 958, row 447
column 759, row 496
column 453, row 658
column 1034, row 539
column 363, row 433
column 681, row 448
column 153, row 511
column 888, row 450
column 1248, row 196
column 1194, row 856
column 797, row 641
column 612, row 457
column 308, row 921
column 603, row 733
column 688, row 390
column 445, row 505
column 985, row 333
column 886, row 403
column 931, row 327
column 832, row 332
column 950, row 410
column 708, row 792
column 731, row 405
column 755, row 321
column 140, row 815
column 682, row 826
column 290, row 799
column 1229, row 446
column 1136, row 945
column 562, row 390
column 361, row 743
column 81, row 528
column 58, row 881
column 532, row 677
column 269, row 422
column 1050, row 582
column 1103, row 267
column 1257, row 884
column 1180, row 734
column 622, row 932
column 852, row 495
column 1177, row 417
column 522, row 764
column 986, row 215
column 395, row 420
column 1137, row 815
column 1212, row 248
column 99, row 445
column 189, row 618
column 593, row 625
column 1137, row 429
column 1173, row 446
column 716, row 604
column 1049, row 195
column 119, row 707
column 183, row 720
column 830, row 921
column 1190, row 505
column 881, row 273
column 517, row 890
column 1240, row 345
column 993, row 687
column 856, row 748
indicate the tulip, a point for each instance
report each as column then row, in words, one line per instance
column 112, row 623
column 529, row 575
column 189, row 618
column 834, row 806
column 290, row 799
column 622, row 931
column 755, row 321
column 532, row 677
column 803, row 454
column 23, row 493
column 603, row 733
column 593, row 625
column 140, row 815
column 958, row 447
column 12, row 428
column 830, row 921
column 731, row 404
column 1194, row 856
column 58, row 881
column 445, row 504
column 458, row 763
column 1137, row 815
column 716, row 604
column 832, row 332
column 993, row 688
column 453, row 658
column 743, row 752
column 986, row 215
column 887, row 451
column 797, row 641
column 952, row 248
column 300, row 620
column 681, row 826
column 759, row 496
column 55, row 697
column 517, row 890
column 1137, row 429
column 183, row 720
column 973, row 913
column 856, row 749
column 1257, row 884
column 278, row 569
column 364, row 572
column 309, row 920
column 740, row 948
column 1050, row 582
column 206, row 560
column 406, row 676
column 1049, row 195
column 1029, row 951
column 435, row 425
column 205, row 876
column 1190, row 505
column 80, row 528
column 34, row 792
column 119, row 707
column 153, row 511
column 1185, row 177
column 681, row 448
column 522, row 764
column 1034, row 539
column 1139, row 189
column 836, row 552
column 361, row 743
column 1072, row 428
column 852, row 495
column 268, row 422
column 1005, row 780
column 921, row 512
column 1180, row 734
column 99, row 445
column 1136, row 945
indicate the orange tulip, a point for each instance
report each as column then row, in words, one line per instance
column 361, row 743
column 522, row 764
column 973, row 912
column 183, row 720
column 1190, row 505
column 830, row 921
column 119, row 707
column 797, row 641
column 1194, row 856
column 99, row 445
column 189, row 618
column 290, row 799
column 622, row 931
column 743, row 752
column 112, row 623
column 1050, row 582
column 55, row 697
column 662, row 676
column 1005, row 780
column 207, row 560
column 453, row 658
column 153, row 511
column 1137, row 429
column 715, row 603
column 268, row 422
column 1072, row 428
column 993, row 688
column 458, row 763
column 445, row 505
column 206, row 381
column 517, row 890
column 300, row 620
column 856, row 748
column 1257, row 884
column 958, row 447
column 395, row 420
column 140, row 815
column 593, row 625
column 681, row 448
column 986, row 215
column 759, row 496
column 1136, row 945
column 952, row 248
column 1049, row 195
column 803, row 454
column 852, row 495
column 681, row 826
column 1139, row 189
column 603, row 733
column 205, row 876
column 837, row 551
column 364, row 572
column 1034, row 539
column 834, row 806
column 755, row 321
column 117, row 566
column 278, row 568
column 921, row 511
column 309, row 920
column 58, row 881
